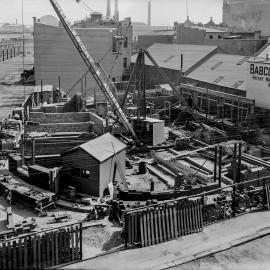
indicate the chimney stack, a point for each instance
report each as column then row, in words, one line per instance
column 149, row 13
column 108, row 15
column 116, row 11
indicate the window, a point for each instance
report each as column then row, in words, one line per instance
column 124, row 62
column 85, row 173
column 237, row 84
column 114, row 45
column 126, row 42
column 219, row 36
column 211, row 37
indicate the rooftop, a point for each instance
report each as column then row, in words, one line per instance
column 223, row 69
column 169, row 55
column 102, row 148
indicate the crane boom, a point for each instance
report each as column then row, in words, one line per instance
column 93, row 68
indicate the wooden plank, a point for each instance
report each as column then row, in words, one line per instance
column 137, row 221
column 164, row 225
column 34, row 244
column 133, row 228
column 142, row 231
column 153, row 237
column 201, row 217
column 188, row 218
column 156, row 226
column 159, row 217
column 52, row 249
column 69, row 244
column 175, row 219
column 25, row 261
column 167, row 224
column 172, row 223
column 14, row 255
column 4, row 254
column 72, row 243
column 192, row 219
column 179, row 215
column 48, row 257
column 77, row 257
column 39, row 252
column 129, row 233
column 184, row 215
column 145, row 230
column 43, row 252
column 148, row 228
column 9, row 255
column 56, row 248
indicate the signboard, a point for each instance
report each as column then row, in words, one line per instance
column 258, row 83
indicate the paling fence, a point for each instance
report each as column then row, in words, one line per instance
column 162, row 222
column 45, row 249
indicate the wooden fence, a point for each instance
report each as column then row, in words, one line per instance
column 163, row 222
column 44, row 249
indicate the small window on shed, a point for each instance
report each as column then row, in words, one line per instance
column 85, row 173
column 219, row 36
column 211, row 37
column 126, row 42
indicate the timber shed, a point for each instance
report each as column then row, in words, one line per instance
column 91, row 166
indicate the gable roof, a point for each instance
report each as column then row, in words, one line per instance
column 169, row 55
column 101, row 148
column 223, row 69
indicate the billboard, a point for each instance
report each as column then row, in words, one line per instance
column 258, row 83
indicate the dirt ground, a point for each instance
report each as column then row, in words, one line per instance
column 254, row 255
column 100, row 237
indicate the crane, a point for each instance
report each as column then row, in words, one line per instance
column 140, row 56
column 103, row 81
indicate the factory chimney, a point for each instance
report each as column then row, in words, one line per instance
column 116, row 11
column 108, row 15
column 149, row 13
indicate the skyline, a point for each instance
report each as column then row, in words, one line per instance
column 172, row 10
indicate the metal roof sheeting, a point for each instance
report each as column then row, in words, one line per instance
column 230, row 69
column 102, row 148
column 169, row 55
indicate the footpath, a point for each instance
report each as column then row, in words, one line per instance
column 214, row 238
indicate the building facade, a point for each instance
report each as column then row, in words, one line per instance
column 247, row 15
column 56, row 58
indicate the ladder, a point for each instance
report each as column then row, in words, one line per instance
column 106, row 88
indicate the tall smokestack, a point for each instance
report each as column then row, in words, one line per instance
column 108, row 15
column 149, row 13
column 116, row 11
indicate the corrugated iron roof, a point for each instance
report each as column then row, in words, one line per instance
column 231, row 67
column 169, row 55
column 102, row 148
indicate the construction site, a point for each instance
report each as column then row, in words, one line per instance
column 109, row 154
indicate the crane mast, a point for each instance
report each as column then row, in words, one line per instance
column 105, row 84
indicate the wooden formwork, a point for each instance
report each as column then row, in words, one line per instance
column 163, row 222
column 41, row 250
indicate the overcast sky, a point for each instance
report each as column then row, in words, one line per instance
column 164, row 12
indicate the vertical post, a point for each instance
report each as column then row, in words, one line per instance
column 215, row 165
column 81, row 254
column 239, row 164
column 219, row 167
column 126, row 231
column 59, row 82
column 41, row 91
column 143, row 86
column 234, row 179
column 33, row 151
column 22, row 142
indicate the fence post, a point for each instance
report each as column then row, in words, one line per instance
column 81, row 253
column 126, row 230
column 219, row 168
column 234, row 179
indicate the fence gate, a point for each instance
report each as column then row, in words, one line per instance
column 44, row 249
column 162, row 222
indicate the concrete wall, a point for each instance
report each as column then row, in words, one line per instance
column 55, row 55
column 60, row 127
column 247, row 15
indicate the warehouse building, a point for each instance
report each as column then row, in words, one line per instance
column 57, row 62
